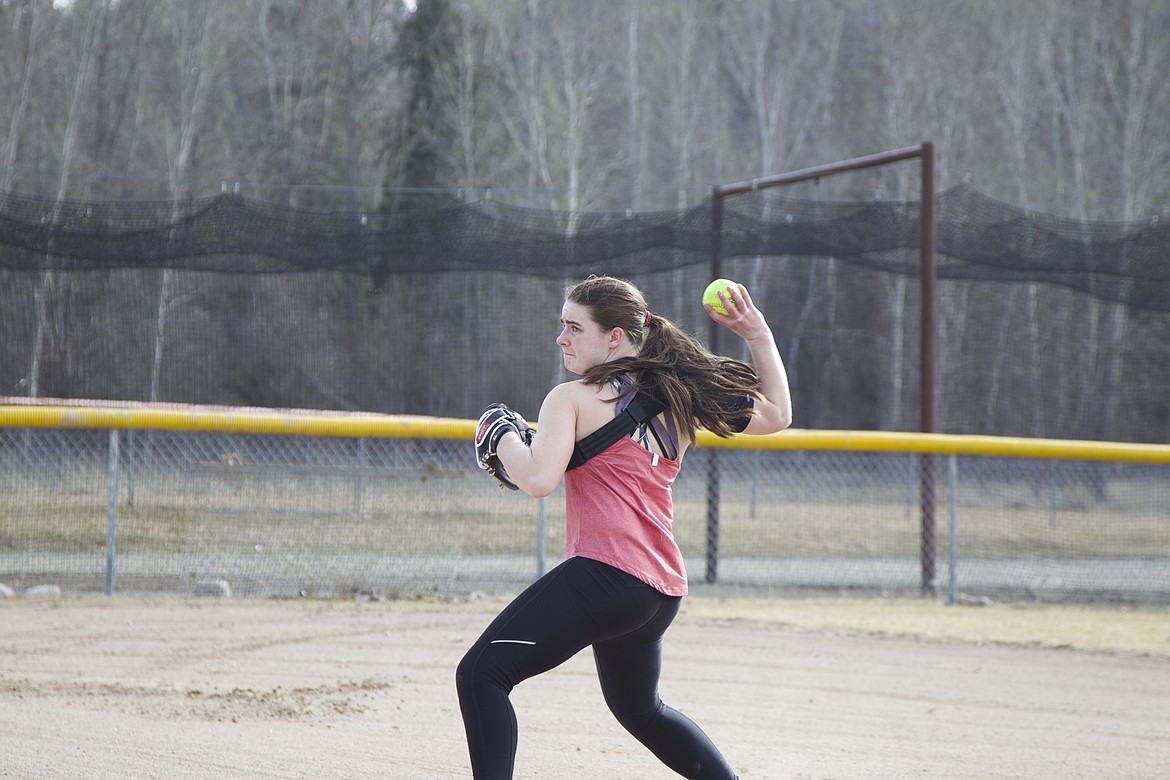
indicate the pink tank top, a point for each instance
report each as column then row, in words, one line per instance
column 619, row 510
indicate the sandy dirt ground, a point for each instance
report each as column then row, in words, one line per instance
column 125, row 687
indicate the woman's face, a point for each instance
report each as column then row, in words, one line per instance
column 582, row 341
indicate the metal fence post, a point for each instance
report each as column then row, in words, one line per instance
column 712, row 515
column 112, row 514
column 358, row 479
column 926, row 471
column 952, row 527
column 541, row 535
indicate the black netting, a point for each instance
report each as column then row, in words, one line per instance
column 978, row 239
column 1047, row 326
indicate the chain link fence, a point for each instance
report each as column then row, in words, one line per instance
column 260, row 515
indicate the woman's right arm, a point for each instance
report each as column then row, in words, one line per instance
column 538, row 469
column 774, row 410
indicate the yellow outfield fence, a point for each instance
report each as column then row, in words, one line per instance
column 21, row 413
column 208, row 419
column 126, row 497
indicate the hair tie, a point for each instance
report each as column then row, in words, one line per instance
column 649, row 317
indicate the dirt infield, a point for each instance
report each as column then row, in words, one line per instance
column 122, row 687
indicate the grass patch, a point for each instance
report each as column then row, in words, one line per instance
column 1092, row 628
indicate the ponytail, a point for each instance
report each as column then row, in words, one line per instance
column 700, row 388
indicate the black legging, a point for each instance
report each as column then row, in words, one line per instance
column 581, row 603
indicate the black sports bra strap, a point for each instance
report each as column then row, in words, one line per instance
column 641, row 409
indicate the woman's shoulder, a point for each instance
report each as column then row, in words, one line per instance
column 572, row 394
column 591, row 404
column 580, row 390
column 570, row 389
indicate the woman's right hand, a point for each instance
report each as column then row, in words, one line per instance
column 742, row 318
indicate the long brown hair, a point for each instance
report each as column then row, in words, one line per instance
column 699, row 387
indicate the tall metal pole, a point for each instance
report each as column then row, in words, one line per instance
column 713, row 454
column 928, row 323
column 112, row 513
column 927, row 274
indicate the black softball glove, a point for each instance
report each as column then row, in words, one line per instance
column 496, row 420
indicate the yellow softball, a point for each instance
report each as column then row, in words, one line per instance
column 711, row 294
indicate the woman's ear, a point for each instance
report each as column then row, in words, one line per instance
column 616, row 336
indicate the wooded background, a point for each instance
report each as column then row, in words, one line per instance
column 569, row 107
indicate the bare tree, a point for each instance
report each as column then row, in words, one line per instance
column 1134, row 74
column 553, row 88
column 200, row 49
column 780, row 57
column 89, row 24
column 1013, row 78
column 292, row 47
column 29, row 33
column 366, row 49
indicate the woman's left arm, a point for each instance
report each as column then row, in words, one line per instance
column 537, row 469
